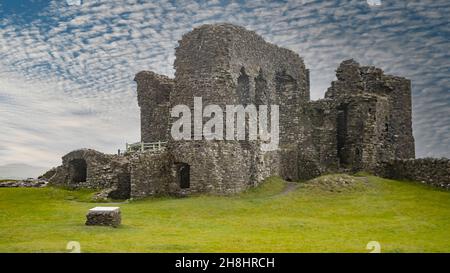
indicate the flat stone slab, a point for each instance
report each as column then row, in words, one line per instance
column 104, row 216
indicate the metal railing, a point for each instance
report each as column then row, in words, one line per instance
column 140, row 147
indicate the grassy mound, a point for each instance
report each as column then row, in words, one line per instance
column 272, row 186
column 338, row 183
column 401, row 216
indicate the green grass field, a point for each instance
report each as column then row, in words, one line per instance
column 401, row 216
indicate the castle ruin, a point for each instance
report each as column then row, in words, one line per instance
column 363, row 121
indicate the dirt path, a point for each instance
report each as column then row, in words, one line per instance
column 290, row 187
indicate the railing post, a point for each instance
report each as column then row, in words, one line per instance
column 142, row 146
column 126, row 147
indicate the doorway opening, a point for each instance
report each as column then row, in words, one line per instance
column 123, row 190
column 342, row 153
column 183, row 175
column 77, row 170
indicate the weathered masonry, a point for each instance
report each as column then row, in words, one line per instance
column 363, row 121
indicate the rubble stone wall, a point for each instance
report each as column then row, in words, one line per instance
column 153, row 98
column 101, row 171
column 363, row 121
column 152, row 175
column 216, row 166
column 432, row 171
column 234, row 66
column 369, row 113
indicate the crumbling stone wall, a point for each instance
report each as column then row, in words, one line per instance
column 88, row 168
column 359, row 123
column 221, row 167
column 368, row 113
column 363, row 121
column 399, row 123
column 152, row 174
column 323, row 116
column 432, row 171
column 234, row 66
column 153, row 92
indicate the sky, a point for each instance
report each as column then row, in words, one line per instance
column 67, row 67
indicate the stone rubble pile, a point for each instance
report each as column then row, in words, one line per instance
column 27, row 183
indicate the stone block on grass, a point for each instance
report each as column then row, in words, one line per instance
column 104, row 216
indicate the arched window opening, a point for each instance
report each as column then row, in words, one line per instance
column 183, row 171
column 243, row 87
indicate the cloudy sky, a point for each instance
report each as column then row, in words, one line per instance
column 66, row 70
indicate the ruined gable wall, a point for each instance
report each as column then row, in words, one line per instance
column 349, row 81
column 202, row 70
column 212, row 59
column 349, row 132
column 278, row 76
column 153, row 92
column 224, row 65
column 376, row 110
column 399, row 123
column 283, row 73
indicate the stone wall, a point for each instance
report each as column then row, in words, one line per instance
column 431, row 171
column 399, row 123
column 152, row 175
column 153, row 92
column 364, row 119
column 211, row 167
column 323, row 115
column 234, row 66
column 88, row 168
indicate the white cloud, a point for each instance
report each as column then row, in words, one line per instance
column 66, row 82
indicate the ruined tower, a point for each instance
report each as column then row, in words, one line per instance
column 365, row 119
column 229, row 65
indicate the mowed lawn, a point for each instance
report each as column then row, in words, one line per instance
column 401, row 216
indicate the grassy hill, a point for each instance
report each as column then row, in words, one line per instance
column 334, row 213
